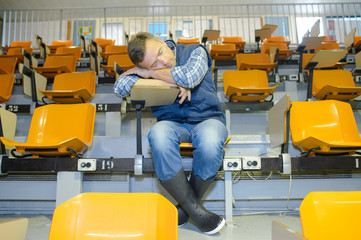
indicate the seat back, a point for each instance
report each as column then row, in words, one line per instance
column 76, row 51
column 329, row 45
column 331, row 215
column 104, row 41
column 23, row 44
column 6, row 86
column 57, row 61
column 279, row 45
column 328, row 122
column 66, row 43
column 252, row 58
column 54, row 123
column 357, row 42
column 116, row 49
column 225, row 40
column 75, row 81
column 115, row 216
column 188, row 41
column 245, row 79
column 8, row 64
column 336, row 78
column 122, row 60
column 222, row 51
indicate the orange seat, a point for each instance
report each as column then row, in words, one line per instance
column 122, row 60
column 357, row 42
column 6, row 86
column 59, row 43
column 325, row 127
column 328, row 45
column 55, row 65
column 103, row 42
column 17, row 52
column 277, row 39
column 186, row 41
column 58, row 129
column 65, row 51
column 76, row 87
column 113, row 50
column 331, row 215
column 101, row 216
column 223, row 51
column 246, row 86
column 238, row 41
column 7, row 64
column 284, row 52
column 260, row 61
column 21, row 44
column 186, row 149
column 334, row 84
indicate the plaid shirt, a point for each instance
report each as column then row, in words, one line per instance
column 187, row 76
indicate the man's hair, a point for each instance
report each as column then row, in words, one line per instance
column 136, row 46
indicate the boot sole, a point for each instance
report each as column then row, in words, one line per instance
column 218, row 228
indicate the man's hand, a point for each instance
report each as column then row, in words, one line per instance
column 141, row 72
column 184, row 93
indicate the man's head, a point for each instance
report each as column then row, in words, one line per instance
column 149, row 52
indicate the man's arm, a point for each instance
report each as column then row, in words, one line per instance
column 123, row 85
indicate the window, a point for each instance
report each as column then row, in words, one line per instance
column 304, row 25
column 282, row 25
column 113, row 31
column 159, row 29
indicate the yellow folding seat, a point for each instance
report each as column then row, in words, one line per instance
column 328, row 45
column 58, row 129
column 122, row 60
column 357, row 42
column 66, row 51
column 77, row 87
column 17, row 52
column 331, row 215
column 246, row 85
column 7, row 64
column 59, row 43
column 6, row 86
column 103, row 42
column 113, row 50
column 283, row 53
column 186, row 41
column 324, row 127
column 334, row 84
column 55, row 65
column 248, row 61
column 101, row 216
column 223, row 51
column 238, row 41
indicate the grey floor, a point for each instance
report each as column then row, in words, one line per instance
column 256, row 227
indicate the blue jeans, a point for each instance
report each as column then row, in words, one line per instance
column 207, row 137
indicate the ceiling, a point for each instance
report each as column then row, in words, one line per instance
column 52, row 4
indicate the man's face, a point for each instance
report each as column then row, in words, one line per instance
column 157, row 55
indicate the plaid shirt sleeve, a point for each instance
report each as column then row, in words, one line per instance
column 192, row 73
column 123, row 85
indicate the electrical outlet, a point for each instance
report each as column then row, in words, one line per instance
column 251, row 163
column 87, row 164
column 232, row 164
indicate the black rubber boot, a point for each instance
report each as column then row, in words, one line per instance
column 199, row 187
column 182, row 192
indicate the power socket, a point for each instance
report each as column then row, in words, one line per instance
column 87, row 164
column 232, row 164
column 251, row 163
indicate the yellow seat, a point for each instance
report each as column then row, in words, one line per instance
column 186, row 149
column 186, row 41
column 66, row 51
column 260, row 61
column 328, row 45
column 59, row 43
column 246, row 85
column 238, row 41
column 331, row 215
column 283, row 53
column 103, row 42
column 21, row 44
column 6, row 86
column 7, row 64
column 55, row 65
column 223, row 51
column 113, row 50
column 17, row 52
column 277, row 39
column 334, row 84
column 122, row 60
column 78, row 87
column 324, row 127
column 58, row 129
column 100, row 216
column 357, row 42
